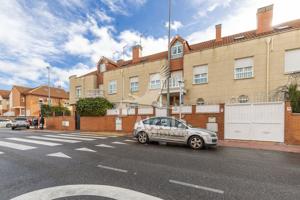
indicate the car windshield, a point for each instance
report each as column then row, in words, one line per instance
column 20, row 119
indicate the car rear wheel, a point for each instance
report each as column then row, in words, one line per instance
column 143, row 138
column 196, row 142
column 8, row 125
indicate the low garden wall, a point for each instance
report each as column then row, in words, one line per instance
column 292, row 126
column 61, row 123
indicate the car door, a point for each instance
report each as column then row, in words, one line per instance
column 152, row 128
column 165, row 128
column 179, row 130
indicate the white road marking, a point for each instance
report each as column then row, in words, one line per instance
column 110, row 192
column 197, row 186
column 85, row 136
column 105, row 146
column 85, row 149
column 113, row 136
column 16, row 146
column 53, row 139
column 129, row 140
column 1, row 152
column 113, row 169
column 51, row 144
column 118, row 143
column 58, row 154
column 70, row 137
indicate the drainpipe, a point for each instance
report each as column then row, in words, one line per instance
column 268, row 42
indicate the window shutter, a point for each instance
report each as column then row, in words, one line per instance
column 244, row 62
column 200, row 69
column 292, row 61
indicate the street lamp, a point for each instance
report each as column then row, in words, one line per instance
column 169, row 61
column 49, row 101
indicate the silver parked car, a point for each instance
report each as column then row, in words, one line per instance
column 5, row 123
column 20, row 122
column 167, row 129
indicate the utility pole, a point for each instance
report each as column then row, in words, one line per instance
column 180, row 97
column 169, row 61
column 49, row 101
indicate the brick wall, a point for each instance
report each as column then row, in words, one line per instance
column 107, row 123
column 55, row 123
column 292, row 126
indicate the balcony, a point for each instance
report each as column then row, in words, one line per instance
column 173, row 85
column 95, row 93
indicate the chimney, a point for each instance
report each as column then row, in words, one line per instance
column 264, row 19
column 136, row 53
column 218, row 32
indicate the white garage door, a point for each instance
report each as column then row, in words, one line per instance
column 260, row 121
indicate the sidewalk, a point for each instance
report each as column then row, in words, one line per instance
column 273, row 146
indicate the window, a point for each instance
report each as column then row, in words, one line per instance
column 243, row 68
column 102, row 67
column 243, row 99
column 155, row 81
column 134, row 84
column 177, row 50
column 78, row 91
column 200, row 101
column 200, row 74
column 112, row 87
column 292, row 61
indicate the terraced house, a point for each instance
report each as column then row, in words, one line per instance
column 26, row 101
column 4, row 101
column 248, row 66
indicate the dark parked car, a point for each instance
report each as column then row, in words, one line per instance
column 20, row 122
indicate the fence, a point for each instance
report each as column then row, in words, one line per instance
column 202, row 116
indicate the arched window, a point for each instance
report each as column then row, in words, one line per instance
column 200, row 101
column 243, row 99
column 177, row 50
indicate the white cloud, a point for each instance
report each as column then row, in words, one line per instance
column 122, row 6
column 103, row 17
column 175, row 25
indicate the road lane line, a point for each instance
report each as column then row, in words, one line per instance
column 1, row 152
column 129, row 140
column 70, row 137
column 51, row 144
column 16, row 146
column 85, row 136
column 54, row 139
column 105, row 146
column 118, row 143
column 197, row 186
column 85, row 149
column 113, row 169
column 59, row 155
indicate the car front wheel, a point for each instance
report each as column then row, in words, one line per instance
column 143, row 138
column 196, row 142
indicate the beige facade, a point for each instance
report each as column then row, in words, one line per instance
column 86, row 84
column 220, row 78
column 222, row 87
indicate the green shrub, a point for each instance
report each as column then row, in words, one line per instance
column 294, row 98
column 93, row 106
column 47, row 110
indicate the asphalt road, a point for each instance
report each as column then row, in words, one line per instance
column 162, row 171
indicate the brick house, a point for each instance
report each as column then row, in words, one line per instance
column 27, row 101
column 4, row 101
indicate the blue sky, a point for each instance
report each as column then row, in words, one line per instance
column 70, row 36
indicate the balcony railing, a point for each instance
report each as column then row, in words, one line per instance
column 95, row 93
column 174, row 85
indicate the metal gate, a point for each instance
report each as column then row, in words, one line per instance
column 258, row 121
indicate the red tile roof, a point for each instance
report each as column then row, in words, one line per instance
column 43, row 91
column 239, row 37
column 4, row 94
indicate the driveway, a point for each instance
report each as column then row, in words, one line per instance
column 117, row 167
